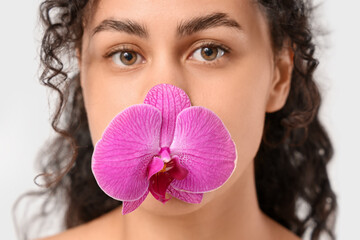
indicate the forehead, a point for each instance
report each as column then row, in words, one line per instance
column 167, row 13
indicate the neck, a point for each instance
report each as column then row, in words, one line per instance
column 233, row 215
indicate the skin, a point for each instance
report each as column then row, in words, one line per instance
column 249, row 81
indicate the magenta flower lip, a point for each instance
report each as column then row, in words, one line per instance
column 164, row 145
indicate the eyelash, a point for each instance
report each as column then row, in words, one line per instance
column 222, row 47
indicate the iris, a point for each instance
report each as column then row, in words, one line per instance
column 164, row 145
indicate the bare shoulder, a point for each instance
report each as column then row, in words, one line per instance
column 103, row 227
column 73, row 233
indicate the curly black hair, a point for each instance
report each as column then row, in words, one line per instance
column 292, row 183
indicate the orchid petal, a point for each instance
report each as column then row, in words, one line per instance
column 155, row 165
column 129, row 206
column 205, row 148
column 159, row 184
column 185, row 196
column 121, row 156
column 170, row 100
column 178, row 172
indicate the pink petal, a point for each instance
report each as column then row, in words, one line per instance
column 185, row 196
column 121, row 156
column 205, row 149
column 178, row 172
column 159, row 184
column 155, row 165
column 129, row 206
column 170, row 100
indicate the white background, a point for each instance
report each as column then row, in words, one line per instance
column 25, row 119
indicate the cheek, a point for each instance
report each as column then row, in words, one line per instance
column 104, row 98
column 240, row 102
column 244, row 115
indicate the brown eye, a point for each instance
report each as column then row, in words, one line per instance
column 209, row 53
column 126, row 58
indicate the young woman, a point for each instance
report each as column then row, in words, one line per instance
column 250, row 62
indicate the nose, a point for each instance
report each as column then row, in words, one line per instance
column 165, row 68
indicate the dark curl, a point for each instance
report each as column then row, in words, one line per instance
column 292, row 184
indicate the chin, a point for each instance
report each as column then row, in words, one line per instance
column 173, row 207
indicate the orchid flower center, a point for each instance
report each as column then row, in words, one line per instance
column 172, row 169
column 165, row 168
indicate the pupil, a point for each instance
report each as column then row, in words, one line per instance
column 128, row 56
column 208, row 51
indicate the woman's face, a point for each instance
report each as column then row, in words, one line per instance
column 238, row 80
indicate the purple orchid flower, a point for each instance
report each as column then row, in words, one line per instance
column 163, row 146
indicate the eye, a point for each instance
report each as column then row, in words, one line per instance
column 126, row 58
column 209, row 52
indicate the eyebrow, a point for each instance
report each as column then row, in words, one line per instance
column 185, row 28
